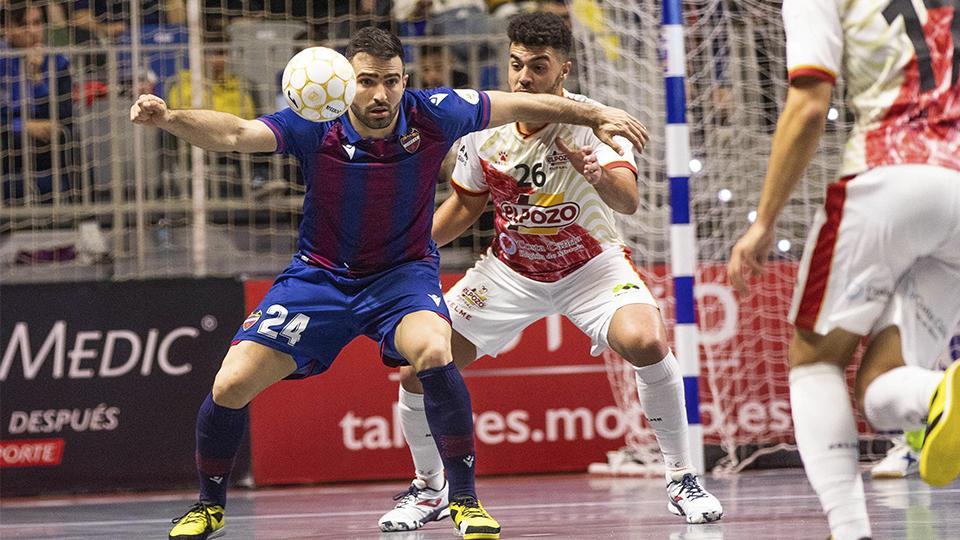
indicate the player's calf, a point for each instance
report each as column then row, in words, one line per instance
column 686, row 497
column 416, row 507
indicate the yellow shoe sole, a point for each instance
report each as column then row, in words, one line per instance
column 482, row 536
column 940, row 455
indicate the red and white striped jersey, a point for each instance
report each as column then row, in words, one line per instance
column 901, row 73
column 549, row 221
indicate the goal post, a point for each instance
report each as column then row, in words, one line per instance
column 707, row 77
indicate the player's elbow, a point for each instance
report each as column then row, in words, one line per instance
column 813, row 113
column 629, row 206
column 808, row 104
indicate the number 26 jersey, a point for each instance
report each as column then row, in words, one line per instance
column 549, row 220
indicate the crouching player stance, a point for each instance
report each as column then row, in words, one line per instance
column 366, row 264
column 555, row 188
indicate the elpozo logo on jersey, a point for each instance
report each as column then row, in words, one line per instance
column 531, row 216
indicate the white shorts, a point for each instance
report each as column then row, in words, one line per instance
column 885, row 250
column 492, row 303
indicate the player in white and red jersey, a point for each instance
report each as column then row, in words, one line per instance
column 555, row 188
column 883, row 257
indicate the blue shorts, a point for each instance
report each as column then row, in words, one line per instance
column 311, row 313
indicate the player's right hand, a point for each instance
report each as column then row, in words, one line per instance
column 612, row 122
column 748, row 256
column 149, row 110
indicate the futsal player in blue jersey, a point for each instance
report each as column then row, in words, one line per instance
column 366, row 264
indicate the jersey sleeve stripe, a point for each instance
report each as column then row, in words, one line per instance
column 276, row 133
column 622, row 163
column 817, row 72
column 468, row 192
column 485, row 104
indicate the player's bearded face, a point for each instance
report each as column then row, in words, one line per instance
column 380, row 85
column 538, row 70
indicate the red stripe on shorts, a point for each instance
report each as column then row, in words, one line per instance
column 818, row 272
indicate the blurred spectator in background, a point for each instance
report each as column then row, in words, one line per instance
column 223, row 90
column 108, row 19
column 435, row 68
column 35, row 105
column 557, row 7
column 504, row 9
column 450, row 18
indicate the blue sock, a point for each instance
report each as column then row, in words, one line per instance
column 446, row 401
column 219, row 433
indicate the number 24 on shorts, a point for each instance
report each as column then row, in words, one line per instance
column 291, row 330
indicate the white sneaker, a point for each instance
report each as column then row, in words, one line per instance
column 416, row 507
column 686, row 497
column 901, row 461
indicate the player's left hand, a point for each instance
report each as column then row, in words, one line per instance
column 583, row 160
column 612, row 122
column 748, row 256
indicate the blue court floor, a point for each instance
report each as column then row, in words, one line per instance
column 759, row 505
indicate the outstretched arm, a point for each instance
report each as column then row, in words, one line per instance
column 795, row 141
column 606, row 122
column 210, row 130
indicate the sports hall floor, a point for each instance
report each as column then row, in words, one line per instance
column 758, row 505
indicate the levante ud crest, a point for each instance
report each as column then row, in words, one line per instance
column 410, row 141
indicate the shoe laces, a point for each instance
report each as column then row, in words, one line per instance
column 197, row 512
column 471, row 507
column 693, row 489
column 407, row 497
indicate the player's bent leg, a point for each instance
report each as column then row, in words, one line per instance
column 825, row 428
column 939, row 461
column 892, row 395
column 423, row 339
column 222, row 420
column 427, row 498
column 638, row 335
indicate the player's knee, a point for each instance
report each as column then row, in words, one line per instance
column 642, row 348
column 230, row 391
column 434, row 352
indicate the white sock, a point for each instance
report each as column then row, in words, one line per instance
column 900, row 398
column 826, row 435
column 426, row 457
column 660, row 388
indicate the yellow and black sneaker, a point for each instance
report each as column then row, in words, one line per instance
column 201, row 522
column 940, row 453
column 472, row 521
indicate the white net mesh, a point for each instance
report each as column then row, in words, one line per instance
column 104, row 200
column 736, row 80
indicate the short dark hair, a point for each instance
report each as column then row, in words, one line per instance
column 375, row 42
column 541, row 29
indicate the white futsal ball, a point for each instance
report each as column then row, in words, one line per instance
column 319, row 84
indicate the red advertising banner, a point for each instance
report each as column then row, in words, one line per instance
column 31, row 453
column 544, row 405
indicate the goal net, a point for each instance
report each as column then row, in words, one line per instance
column 736, row 82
